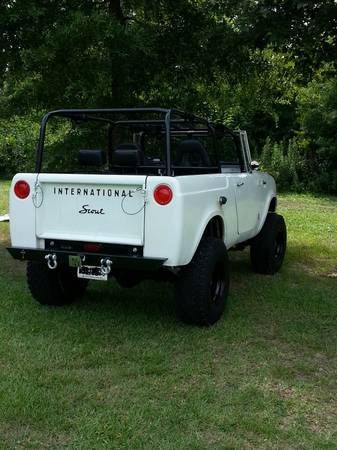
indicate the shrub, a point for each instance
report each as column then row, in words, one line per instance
column 285, row 162
column 18, row 139
column 317, row 114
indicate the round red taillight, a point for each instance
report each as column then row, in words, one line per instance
column 163, row 194
column 21, row 189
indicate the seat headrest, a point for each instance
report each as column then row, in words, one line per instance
column 191, row 152
column 128, row 155
column 92, row 157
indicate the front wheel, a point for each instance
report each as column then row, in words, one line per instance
column 268, row 248
column 201, row 289
column 54, row 287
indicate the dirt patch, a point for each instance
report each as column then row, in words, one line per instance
column 332, row 274
column 301, row 267
column 3, row 238
column 4, row 233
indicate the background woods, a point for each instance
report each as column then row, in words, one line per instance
column 267, row 66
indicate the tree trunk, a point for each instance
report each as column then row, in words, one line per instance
column 115, row 10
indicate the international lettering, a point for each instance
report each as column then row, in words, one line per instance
column 92, row 192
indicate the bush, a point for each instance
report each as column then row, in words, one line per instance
column 285, row 162
column 317, row 114
column 18, row 142
column 18, row 139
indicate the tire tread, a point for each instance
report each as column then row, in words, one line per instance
column 261, row 249
column 191, row 286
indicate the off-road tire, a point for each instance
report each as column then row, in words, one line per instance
column 268, row 248
column 201, row 288
column 54, row 287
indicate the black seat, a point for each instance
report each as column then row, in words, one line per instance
column 92, row 157
column 128, row 155
column 192, row 153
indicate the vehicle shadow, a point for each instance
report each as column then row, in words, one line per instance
column 147, row 301
column 150, row 304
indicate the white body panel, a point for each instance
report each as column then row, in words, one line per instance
column 87, row 208
column 172, row 231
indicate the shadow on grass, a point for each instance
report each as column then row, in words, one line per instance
column 150, row 304
column 149, row 301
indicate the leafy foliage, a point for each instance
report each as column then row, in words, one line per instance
column 18, row 140
column 317, row 110
column 284, row 161
column 266, row 66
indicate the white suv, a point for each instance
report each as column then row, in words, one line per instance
column 159, row 194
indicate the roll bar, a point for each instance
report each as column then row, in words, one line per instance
column 94, row 114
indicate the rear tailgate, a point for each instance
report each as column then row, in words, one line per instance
column 91, row 208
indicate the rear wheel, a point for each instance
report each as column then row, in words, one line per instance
column 268, row 248
column 201, row 289
column 54, row 287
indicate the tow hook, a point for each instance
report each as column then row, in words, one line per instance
column 106, row 264
column 51, row 261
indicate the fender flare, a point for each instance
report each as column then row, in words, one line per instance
column 271, row 205
column 202, row 229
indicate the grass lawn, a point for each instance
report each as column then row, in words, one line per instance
column 118, row 371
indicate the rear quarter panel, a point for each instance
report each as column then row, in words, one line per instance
column 22, row 215
column 174, row 231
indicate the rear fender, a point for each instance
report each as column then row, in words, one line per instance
column 203, row 231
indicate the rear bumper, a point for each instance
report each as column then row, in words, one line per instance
column 90, row 259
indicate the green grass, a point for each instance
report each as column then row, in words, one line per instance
column 4, row 186
column 118, row 371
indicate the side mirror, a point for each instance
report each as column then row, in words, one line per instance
column 254, row 165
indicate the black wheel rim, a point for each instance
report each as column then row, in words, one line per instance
column 279, row 248
column 218, row 284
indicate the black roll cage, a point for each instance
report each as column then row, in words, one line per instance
column 172, row 126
